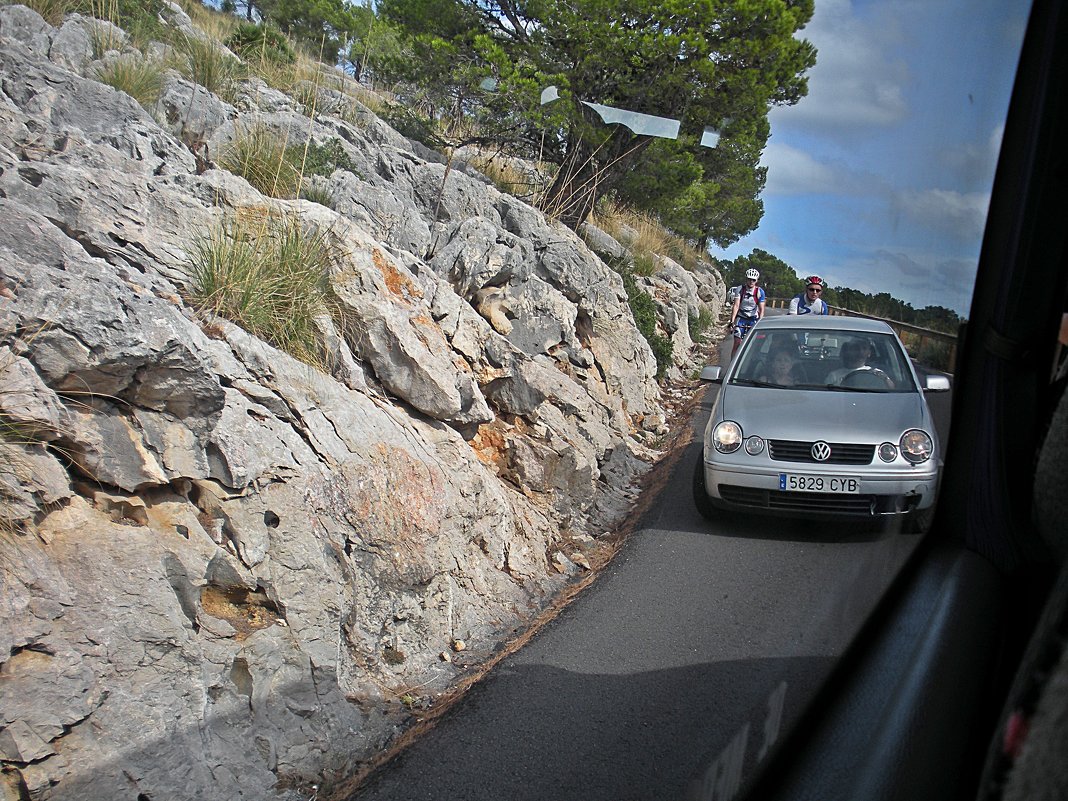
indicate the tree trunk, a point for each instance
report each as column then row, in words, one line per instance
column 587, row 173
column 572, row 196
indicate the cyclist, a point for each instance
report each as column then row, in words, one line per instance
column 748, row 307
column 809, row 301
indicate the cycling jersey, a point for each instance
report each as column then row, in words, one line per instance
column 800, row 305
column 749, row 302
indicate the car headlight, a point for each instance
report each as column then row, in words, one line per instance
column 917, row 446
column 754, row 446
column 888, row 451
column 727, row 436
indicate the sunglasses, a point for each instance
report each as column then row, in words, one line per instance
column 815, row 289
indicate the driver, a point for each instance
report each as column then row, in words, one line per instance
column 855, row 355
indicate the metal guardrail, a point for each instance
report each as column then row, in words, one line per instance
column 918, row 341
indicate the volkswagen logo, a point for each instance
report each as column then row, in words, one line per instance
column 821, row 451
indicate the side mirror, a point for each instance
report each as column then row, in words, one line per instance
column 936, row 383
column 713, row 373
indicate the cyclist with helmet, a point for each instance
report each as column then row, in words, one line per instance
column 748, row 307
column 810, row 301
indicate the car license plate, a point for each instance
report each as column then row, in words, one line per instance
column 838, row 484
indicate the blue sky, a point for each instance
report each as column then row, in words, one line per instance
column 880, row 178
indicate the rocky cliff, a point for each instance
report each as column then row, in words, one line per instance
column 226, row 573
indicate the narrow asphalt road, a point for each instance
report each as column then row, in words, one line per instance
column 672, row 675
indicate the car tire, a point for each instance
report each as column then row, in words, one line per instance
column 700, row 494
column 920, row 520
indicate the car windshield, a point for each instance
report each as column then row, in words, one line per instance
column 838, row 360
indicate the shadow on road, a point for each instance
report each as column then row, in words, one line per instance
column 667, row 734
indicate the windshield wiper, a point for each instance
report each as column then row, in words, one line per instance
column 752, row 382
column 840, row 388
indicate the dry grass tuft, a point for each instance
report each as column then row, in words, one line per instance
column 272, row 278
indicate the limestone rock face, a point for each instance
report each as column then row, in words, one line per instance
column 222, row 568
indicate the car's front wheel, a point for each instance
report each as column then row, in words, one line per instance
column 700, row 494
column 919, row 521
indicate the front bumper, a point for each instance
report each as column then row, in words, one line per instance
column 881, row 493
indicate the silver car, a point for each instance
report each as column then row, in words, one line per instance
column 821, row 416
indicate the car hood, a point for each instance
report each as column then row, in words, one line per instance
column 831, row 415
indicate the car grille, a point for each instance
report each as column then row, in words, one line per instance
column 785, row 450
column 824, row 503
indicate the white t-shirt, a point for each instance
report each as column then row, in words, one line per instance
column 835, row 376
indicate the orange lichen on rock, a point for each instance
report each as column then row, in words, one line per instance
column 396, row 282
column 490, row 446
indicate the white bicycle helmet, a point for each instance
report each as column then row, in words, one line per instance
column 753, row 273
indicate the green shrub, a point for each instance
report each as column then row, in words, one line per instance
column 139, row 18
column 261, row 157
column 261, row 43
column 206, row 63
column 643, row 308
column 644, row 264
column 323, row 159
column 318, row 194
column 140, row 78
column 273, row 280
column 699, row 325
column 407, row 123
column 662, row 348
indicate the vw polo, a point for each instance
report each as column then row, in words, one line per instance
column 821, row 417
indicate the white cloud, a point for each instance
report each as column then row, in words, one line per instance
column 959, row 214
column 794, row 172
column 855, row 83
column 995, row 140
column 918, row 277
column 972, row 162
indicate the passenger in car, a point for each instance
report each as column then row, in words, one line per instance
column 782, row 368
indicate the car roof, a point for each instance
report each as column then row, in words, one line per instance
column 827, row 322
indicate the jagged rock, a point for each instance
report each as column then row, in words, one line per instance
column 564, row 565
column 193, row 116
column 214, row 554
column 23, row 25
column 31, row 478
column 400, row 340
column 26, row 401
column 602, row 244
column 476, row 253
